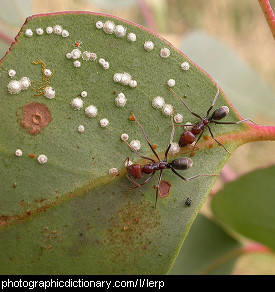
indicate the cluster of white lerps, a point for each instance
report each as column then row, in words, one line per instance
column 109, row 27
column 57, row 29
column 15, row 86
column 125, row 79
column 76, row 54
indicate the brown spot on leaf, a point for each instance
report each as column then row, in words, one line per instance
column 131, row 229
column 36, row 117
column 164, row 188
column 4, row 218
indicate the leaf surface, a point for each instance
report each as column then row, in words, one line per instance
column 243, row 86
column 207, row 250
column 247, row 206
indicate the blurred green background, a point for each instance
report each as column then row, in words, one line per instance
column 229, row 39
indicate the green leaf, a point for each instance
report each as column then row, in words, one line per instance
column 14, row 12
column 112, row 4
column 3, row 48
column 70, row 215
column 247, row 206
column 243, row 86
column 206, row 250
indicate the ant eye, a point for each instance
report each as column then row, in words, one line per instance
column 220, row 113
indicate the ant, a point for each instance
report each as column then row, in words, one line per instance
column 189, row 136
column 136, row 171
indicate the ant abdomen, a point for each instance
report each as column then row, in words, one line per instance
column 181, row 163
column 220, row 113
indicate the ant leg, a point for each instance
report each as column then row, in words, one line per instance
column 217, row 140
column 186, row 125
column 233, row 123
column 157, row 188
column 124, row 162
column 178, row 174
column 173, row 127
column 194, row 114
column 193, row 177
column 133, row 149
column 172, row 135
column 166, row 152
column 214, row 101
column 140, row 126
column 198, row 138
column 136, row 183
column 133, row 181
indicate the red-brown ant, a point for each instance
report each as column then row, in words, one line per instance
column 136, row 171
column 189, row 136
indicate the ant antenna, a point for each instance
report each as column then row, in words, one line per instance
column 173, row 126
column 157, row 188
column 172, row 135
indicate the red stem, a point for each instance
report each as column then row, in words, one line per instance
column 269, row 15
column 259, row 133
column 250, row 248
column 253, row 133
column 256, row 247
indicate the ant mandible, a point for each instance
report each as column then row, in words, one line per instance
column 189, row 136
column 136, row 171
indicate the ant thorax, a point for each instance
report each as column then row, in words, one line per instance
column 206, row 121
column 151, row 167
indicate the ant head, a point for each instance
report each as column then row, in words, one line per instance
column 220, row 113
column 182, row 163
